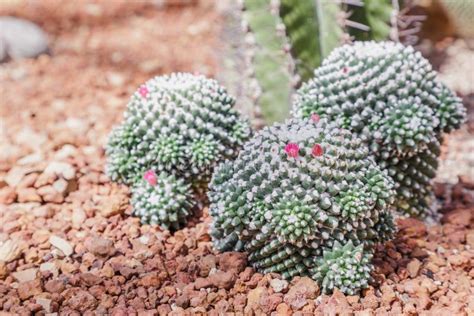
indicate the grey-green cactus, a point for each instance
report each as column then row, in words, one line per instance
column 180, row 125
column 344, row 267
column 164, row 200
column 388, row 94
column 296, row 191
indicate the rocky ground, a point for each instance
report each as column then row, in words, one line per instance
column 67, row 242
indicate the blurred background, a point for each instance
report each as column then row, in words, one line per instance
column 66, row 78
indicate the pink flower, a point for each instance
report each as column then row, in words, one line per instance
column 317, row 150
column 143, row 90
column 150, row 177
column 292, row 149
column 345, row 70
column 315, row 118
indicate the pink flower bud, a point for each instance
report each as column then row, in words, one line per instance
column 143, row 90
column 292, row 150
column 317, row 150
column 150, row 177
column 315, row 118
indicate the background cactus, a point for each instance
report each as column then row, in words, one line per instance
column 180, row 125
column 297, row 191
column 389, row 95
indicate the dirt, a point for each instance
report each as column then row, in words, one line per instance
column 68, row 244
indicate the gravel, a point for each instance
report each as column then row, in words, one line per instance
column 68, row 244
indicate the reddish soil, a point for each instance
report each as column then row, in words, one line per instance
column 67, row 242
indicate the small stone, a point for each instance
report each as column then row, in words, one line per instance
column 49, row 194
column 413, row 267
column 182, row 301
column 21, row 38
column 460, row 217
column 283, row 309
column 458, row 260
column 223, row 279
column 61, row 244
column 82, row 301
column 279, row 285
column 201, row 283
column 54, row 286
column 29, row 289
column 233, row 261
column 9, row 250
column 100, row 246
column 253, row 298
column 15, row 175
column 206, row 264
column 7, row 195
column 61, row 169
column 44, row 211
column 78, row 217
column 51, row 267
column 113, row 206
column 26, row 195
column 3, row 270
column 25, row 275
column 45, row 303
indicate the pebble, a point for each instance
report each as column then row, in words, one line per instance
column 223, row 279
column 279, row 285
column 62, row 245
column 233, row 261
column 413, row 267
column 20, row 38
column 25, row 275
column 100, row 246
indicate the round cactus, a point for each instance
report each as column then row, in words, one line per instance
column 295, row 189
column 388, row 94
column 344, row 267
column 182, row 124
column 163, row 200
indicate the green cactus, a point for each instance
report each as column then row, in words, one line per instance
column 164, row 200
column 181, row 126
column 314, row 28
column 270, row 61
column 344, row 267
column 297, row 190
column 388, row 94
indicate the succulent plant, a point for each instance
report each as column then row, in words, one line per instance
column 388, row 94
column 344, row 267
column 164, row 200
column 180, row 126
column 297, row 190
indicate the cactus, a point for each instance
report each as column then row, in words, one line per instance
column 314, row 28
column 344, row 267
column 181, row 126
column 296, row 191
column 388, row 94
column 164, row 200
column 269, row 58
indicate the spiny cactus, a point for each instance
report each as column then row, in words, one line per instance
column 389, row 95
column 181, row 126
column 268, row 58
column 296, row 191
column 344, row 267
column 164, row 200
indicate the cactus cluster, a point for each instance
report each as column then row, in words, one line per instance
column 301, row 193
column 389, row 95
column 178, row 126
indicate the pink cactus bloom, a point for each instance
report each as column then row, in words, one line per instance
column 315, row 118
column 143, row 90
column 150, row 177
column 317, row 150
column 292, row 149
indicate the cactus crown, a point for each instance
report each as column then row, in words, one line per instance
column 388, row 94
column 179, row 126
column 297, row 189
